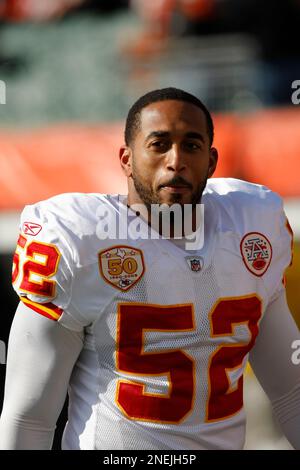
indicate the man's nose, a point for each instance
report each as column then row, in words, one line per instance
column 175, row 159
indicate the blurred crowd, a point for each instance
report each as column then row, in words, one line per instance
column 47, row 10
column 273, row 24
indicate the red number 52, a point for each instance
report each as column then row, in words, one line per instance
column 40, row 263
column 136, row 319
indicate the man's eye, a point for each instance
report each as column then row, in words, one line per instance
column 159, row 144
column 192, row 146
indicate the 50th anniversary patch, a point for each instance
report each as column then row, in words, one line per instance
column 121, row 266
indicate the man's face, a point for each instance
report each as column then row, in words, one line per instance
column 170, row 157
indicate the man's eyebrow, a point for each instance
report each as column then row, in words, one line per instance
column 190, row 135
column 157, row 134
column 195, row 135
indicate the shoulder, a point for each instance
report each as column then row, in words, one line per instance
column 235, row 192
column 254, row 217
column 244, row 207
column 69, row 221
column 75, row 212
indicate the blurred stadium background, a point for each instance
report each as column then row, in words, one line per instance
column 69, row 71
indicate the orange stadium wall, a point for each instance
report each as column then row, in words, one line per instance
column 35, row 164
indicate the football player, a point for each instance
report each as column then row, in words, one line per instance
column 150, row 337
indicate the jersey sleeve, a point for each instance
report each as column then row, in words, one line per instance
column 44, row 265
column 256, row 213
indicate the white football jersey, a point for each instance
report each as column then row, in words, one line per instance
column 167, row 331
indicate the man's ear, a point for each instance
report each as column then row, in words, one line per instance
column 213, row 160
column 125, row 155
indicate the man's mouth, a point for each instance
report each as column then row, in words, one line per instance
column 177, row 185
column 175, row 188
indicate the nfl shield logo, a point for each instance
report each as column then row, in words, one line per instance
column 195, row 263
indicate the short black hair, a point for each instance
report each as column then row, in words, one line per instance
column 133, row 117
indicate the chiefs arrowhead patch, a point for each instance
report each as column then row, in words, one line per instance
column 31, row 228
column 256, row 251
column 121, row 266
